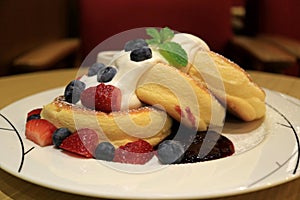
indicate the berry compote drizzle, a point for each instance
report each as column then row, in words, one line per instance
column 201, row 146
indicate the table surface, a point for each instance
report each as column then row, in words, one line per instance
column 15, row 87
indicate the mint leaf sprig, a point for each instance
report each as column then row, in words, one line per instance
column 171, row 51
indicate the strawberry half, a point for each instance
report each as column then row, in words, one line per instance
column 83, row 142
column 105, row 98
column 40, row 131
column 137, row 152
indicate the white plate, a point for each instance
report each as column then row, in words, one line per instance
column 271, row 158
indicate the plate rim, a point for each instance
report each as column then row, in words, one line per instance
column 68, row 190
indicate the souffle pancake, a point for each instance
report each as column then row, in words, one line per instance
column 140, row 97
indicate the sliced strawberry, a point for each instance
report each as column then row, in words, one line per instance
column 105, row 98
column 40, row 131
column 137, row 152
column 34, row 114
column 83, row 142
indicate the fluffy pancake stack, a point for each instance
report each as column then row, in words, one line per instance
column 190, row 95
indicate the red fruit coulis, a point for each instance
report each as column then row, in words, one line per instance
column 201, row 146
column 208, row 146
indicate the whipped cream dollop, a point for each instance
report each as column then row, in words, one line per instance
column 191, row 44
column 129, row 72
column 127, row 76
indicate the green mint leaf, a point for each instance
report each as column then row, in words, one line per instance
column 166, row 34
column 171, row 51
column 174, row 54
column 153, row 42
column 153, row 32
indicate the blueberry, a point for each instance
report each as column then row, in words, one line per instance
column 93, row 70
column 141, row 54
column 34, row 116
column 59, row 135
column 106, row 74
column 135, row 44
column 73, row 91
column 170, row 152
column 105, row 151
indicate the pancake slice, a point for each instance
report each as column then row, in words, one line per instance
column 119, row 128
column 183, row 98
column 243, row 97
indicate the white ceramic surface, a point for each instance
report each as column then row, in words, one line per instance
column 267, row 154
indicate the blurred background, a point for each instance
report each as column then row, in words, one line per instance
column 45, row 35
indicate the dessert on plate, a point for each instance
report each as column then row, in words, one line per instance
column 160, row 96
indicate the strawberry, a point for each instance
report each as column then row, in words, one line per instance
column 39, row 131
column 105, row 98
column 83, row 142
column 34, row 114
column 137, row 152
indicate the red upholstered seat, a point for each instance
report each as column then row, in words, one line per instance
column 208, row 19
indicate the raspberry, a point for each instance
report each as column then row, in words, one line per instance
column 137, row 152
column 105, row 98
column 139, row 146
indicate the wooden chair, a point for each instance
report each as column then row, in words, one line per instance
column 37, row 35
column 271, row 39
column 60, row 53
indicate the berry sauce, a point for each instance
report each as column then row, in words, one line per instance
column 201, row 146
column 207, row 146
